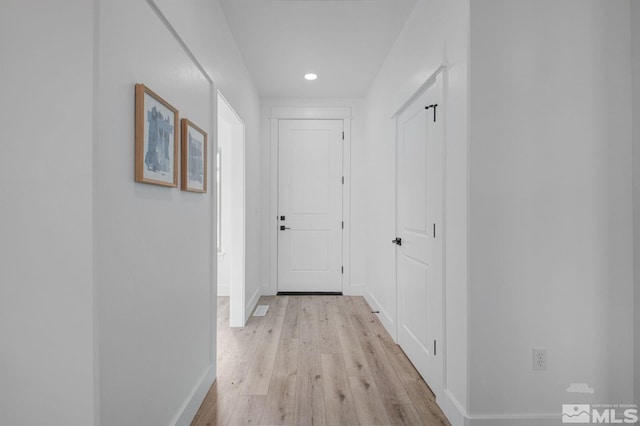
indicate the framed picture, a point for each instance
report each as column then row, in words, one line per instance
column 194, row 158
column 156, row 154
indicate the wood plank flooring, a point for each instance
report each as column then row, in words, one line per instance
column 314, row 360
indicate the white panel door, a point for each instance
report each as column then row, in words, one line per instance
column 419, row 226
column 310, row 205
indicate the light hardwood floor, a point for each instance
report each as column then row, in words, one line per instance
column 314, row 360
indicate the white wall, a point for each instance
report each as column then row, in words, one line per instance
column 202, row 25
column 224, row 257
column 46, row 267
column 635, row 57
column 156, row 247
column 355, row 223
column 435, row 34
column 154, row 244
column 550, row 205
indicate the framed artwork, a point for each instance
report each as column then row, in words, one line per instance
column 156, row 156
column 194, row 158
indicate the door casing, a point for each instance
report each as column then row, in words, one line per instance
column 311, row 222
column 440, row 73
column 277, row 113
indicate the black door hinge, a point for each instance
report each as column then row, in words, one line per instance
column 342, row 270
column 434, row 348
column 343, row 224
column 342, row 135
column 343, row 180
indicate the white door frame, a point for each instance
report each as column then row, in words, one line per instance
column 237, row 303
column 310, row 113
column 442, row 73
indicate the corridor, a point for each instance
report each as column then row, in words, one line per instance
column 314, row 360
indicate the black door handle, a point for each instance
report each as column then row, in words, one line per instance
column 397, row 241
column 282, row 227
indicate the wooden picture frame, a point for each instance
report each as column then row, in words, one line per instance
column 194, row 158
column 156, row 147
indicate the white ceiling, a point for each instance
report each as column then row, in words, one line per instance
column 345, row 42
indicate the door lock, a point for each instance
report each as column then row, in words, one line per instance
column 397, row 241
column 282, row 227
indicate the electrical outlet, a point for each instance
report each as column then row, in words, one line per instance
column 539, row 359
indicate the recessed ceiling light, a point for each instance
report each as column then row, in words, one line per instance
column 310, row 76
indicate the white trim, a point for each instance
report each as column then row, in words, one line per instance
column 231, row 108
column 251, row 304
column 213, row 267
column 518, row 416
column 457, row 416
column 445, row 102
column 386, row 319
column 273, row 210
column 440, row 72
column 224, row 290
column 156, row 9
column 394, row 331
column 190, row 407
column 428, row 82
column 346, row 205
column 310, row 113
column 218, row 173
column 238, row 302
column 514, row 420
column 452, row 408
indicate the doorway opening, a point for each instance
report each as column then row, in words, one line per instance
column 230, row 181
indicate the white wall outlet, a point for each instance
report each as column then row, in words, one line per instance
column 539, row 359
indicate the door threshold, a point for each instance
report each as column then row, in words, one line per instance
column 309, row 293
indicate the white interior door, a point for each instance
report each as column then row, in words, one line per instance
column 310, row 205
column 419, row 226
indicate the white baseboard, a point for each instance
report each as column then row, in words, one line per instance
column 514, row 420
column 452, row 408
column 193, row 402
column 385, row 318
column 224, row 290
column 251, row 304
column 457, row 416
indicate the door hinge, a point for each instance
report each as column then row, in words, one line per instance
column 434, row 230
column 434, row 348
column 343, row 224
column 343, row 180
column 342, row 270
column 342, row 135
